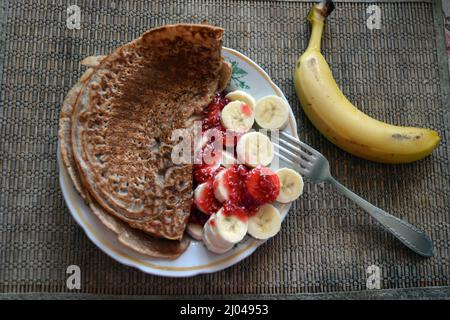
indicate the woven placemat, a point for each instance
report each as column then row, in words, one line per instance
column 396, row 74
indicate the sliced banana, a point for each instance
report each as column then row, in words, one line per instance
column 265, row 223
column 195, row 230
column 211, row 247
column 254, row 149
column 229, row 227
column 216, row 240
column 271, row 112
column 201, row 197
column 227, row 159
column 291, row 185
column 237, row 116
column 239, row 95
column 220, row 187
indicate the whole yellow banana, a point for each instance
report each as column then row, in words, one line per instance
column 339, row 120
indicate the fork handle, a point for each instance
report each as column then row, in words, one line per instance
column 408, row 234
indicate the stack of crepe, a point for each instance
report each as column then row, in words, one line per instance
column 116, row 126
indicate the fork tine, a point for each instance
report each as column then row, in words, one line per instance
column 293, row 146
column 295, row 149
column 284, row 158
column 297, row 141
column 302, row 169
column 295, row 157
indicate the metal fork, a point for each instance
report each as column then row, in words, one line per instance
column 315, row 166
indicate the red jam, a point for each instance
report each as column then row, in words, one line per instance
column 263, row 185
column 208, row 201
column 235, row 177
column 241, row 203
column 246, row 109
column 204, row 172
column 211, row 115
column 211, row 120
column 247, row 188
column 241, row 212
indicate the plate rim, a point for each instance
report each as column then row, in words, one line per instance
column 153, row 268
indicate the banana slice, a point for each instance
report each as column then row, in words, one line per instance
column 242, row 96
column 271, row 112
column 291, row 185
column 254, row 149
column 204, row 198
column 220, row 187
column 265, row 223
column 211, row 247
column 195, row 230
column 229, row 227
column 237, row 116
column 227, row 159
column 216, row 240
column 199, row 195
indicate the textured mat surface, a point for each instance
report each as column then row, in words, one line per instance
column 394, row 74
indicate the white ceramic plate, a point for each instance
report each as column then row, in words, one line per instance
column 247, row 76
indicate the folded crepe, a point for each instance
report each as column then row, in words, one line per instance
column 134, row 239
column 116, row 126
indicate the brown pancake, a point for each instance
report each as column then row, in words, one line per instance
column 135, row 239
column 124, row 118
column 65, row 141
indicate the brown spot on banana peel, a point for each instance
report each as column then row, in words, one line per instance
column 398, row 136
column 312, row 64
column 328, row 134
column 361, row 145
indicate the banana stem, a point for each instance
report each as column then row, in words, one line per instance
column 316, row 18
column 316, row 35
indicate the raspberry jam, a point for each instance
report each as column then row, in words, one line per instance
column 240, row 203
column 208, row 202
column 247, row 188
column 235, row 177
column 211, row 115
column 241, row 212
column 203, row 173
column 246, row 109
column 206, row 172
column 263, row 185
